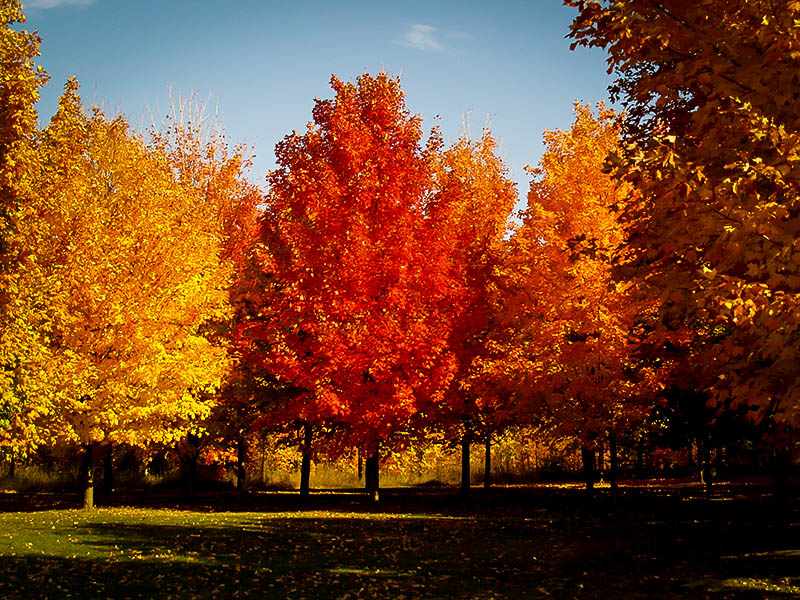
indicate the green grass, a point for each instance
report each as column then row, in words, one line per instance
column 511, row 543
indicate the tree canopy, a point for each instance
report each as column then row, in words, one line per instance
column 710, row 93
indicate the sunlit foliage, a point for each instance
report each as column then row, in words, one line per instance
column 713, row 120
column 119, row 271
column 566, row 346
column 355, row 314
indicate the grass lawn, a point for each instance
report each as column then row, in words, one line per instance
column 505, row 543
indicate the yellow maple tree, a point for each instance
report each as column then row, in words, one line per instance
column 119, row 275
column 196, row 146
column 19, row 91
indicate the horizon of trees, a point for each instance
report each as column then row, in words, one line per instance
column 377, row 292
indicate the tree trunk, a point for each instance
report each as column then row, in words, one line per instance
column 487, row 463
column 782, row 467
column 613, row 471
column 372, row 475
column 601, row 467
column 640, row 459
column 305, row 465
column 241, row 463
column 699, row 462
column 720, row 460
column 587, row 457
column 190, row 466
column 692, row 465
column 108, row 472
column 263, row 462
column 465, row 470
column 360, row 456
column 706, row 462
column 87, row 476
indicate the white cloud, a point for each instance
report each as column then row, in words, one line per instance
column 430, row 38
column 43, row 4
column 423, row 37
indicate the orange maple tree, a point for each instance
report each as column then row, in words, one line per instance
column 568, row 347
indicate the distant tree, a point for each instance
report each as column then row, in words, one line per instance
column 470, row 213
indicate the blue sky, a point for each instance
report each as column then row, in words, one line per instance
column 262, row 63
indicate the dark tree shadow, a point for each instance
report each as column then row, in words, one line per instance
column 505, row 543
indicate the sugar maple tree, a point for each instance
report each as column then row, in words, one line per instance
column 711, row 93
column 355, row 312
column 470, row 212
column 19, row 91
column 197, row 149
column 569, row 323
column 128, row 259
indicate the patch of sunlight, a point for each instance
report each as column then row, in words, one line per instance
column 370, row 572
column 377, row 516
column 748, row 583
column 771, row 554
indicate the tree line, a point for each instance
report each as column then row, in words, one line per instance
column 377, row 289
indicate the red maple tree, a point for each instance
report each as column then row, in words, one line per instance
column 355, row 310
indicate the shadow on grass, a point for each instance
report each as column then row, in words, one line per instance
column 513, row 543
column 332, row 557
column 317, row 557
